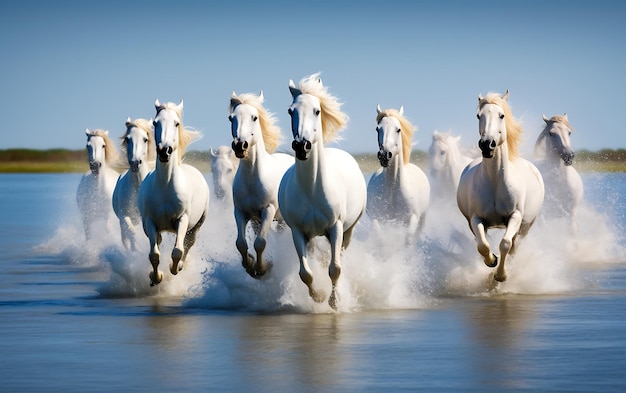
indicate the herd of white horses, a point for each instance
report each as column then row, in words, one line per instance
column 319, row 190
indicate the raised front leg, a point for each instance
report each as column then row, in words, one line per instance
column 480, row 233
column 267, row 217
column 506, row 244
column 156, row 276
column 335, row 236
column 247, row 260
column 306, row 275
column 178, row 251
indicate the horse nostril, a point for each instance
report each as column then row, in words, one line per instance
column 308, row 145
column 169, row 150
column 389, row 155
column 493, row 144
column 245, row 145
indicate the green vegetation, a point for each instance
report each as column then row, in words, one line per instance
column 63, row 160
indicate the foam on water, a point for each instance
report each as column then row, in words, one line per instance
column 378, row 270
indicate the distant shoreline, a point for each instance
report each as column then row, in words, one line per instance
column 75, row 161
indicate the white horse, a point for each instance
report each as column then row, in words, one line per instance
column 446, row 161
column 138, row 145
column 324, row 193
column 501, row 189
column 224, row 164
column 564, row 186
column 399, row 191
column 255, row 187
column 95, row 188
column 175, row 196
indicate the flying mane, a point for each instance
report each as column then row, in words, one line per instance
column 513, row 127
column 267, row 121
column 146, row 126
column 185, row 135
column 333, row 120
column 407, row 131
column 111, row 154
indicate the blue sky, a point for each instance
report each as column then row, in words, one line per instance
column 70, row 65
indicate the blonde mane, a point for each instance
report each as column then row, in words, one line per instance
column 333, row 120
column 513, row 127
column 407, row 131
column 111, row 154
column 146, row 126
column 185, row 135
column 560, row 119
column 267, row 121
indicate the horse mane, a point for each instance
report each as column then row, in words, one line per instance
column 146, row 126
column 333, row 120
column 407, row 128
column 267, row 121
column 186, row 135
column 560, row 119
column 513, row 126
column 111, row 155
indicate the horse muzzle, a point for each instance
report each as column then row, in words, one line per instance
column 240, row 149
column 134, row 165
column 164, row 153
column 302, row 149
column 568, row 158
column 94, row 167
column 384, row 157
column 487, row 146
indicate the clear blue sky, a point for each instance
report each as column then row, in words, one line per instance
column 70, row 65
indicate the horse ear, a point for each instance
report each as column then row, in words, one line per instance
column 378, row 109
column 401, row 111
column 293, row 89
column 180, row 106
column 87, row 132
column 261, row 97
column 212, row 152
column 480, row 97
column 545, row 119
column 505, row 97
column 457, row 138
column 157, row 103
column 127, row 121
column 565, row 116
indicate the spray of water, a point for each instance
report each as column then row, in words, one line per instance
column 379, row 270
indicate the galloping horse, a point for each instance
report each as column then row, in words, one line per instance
column 138, row 145
column 255, row 187
column 175, row 196
column 501, row 189
column 564, row 186
column 399, row 191
column 95, row 189
column 324, row 192
column 224, row 164
column 446, row 161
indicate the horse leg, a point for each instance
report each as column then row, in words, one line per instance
column 267, row 217
column 478, row 228
column 156, row 276
column 126, row 230
column 247, row 260
column 306, row 275
column 178, row 251
column 335, row 236
column 190, row 236
column 507, row 242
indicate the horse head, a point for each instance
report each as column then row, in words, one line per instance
column 492, row 124
column 96, row 149
column 167, row 124
column 557, row 137
column 306, row 123
column 389, row 131
column 244, row 124
column 137, row 142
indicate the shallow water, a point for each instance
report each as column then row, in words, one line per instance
column 78, row 316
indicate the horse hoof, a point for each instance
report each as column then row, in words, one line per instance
column 499, row 277
column 155, row 280
column 317, row 296
column 259, row 273
column 332, row 301
column 175, row 268
column 494, row 263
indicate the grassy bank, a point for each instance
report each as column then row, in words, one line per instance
column 75, row 161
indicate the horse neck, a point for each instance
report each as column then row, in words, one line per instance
column 256, row 158
column 310, row 172
column 394, row 173
column 167, row 171
column 553, row 158
column 141, row 173
column 497, row 167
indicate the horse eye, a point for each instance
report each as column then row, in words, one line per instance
column 501, row 116
column 317, row 112
column 255, row 118
column 145, row 140
column 290, row 111
column 177, row 124
column 478, row 116
column 230, row 118
column 398, row 130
